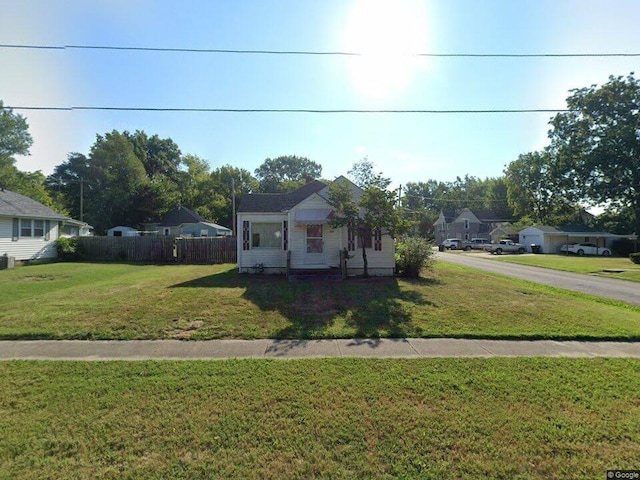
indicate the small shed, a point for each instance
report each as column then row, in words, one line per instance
column 122, row 231
column 204, row 229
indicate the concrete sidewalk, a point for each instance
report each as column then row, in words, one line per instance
column 290, row 349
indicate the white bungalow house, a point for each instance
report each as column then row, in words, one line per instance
column 28, row 229
column 270, row 225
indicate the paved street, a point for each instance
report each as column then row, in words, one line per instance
column 605, row 287
column 291, row 349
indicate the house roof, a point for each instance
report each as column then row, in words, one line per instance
column 180, row 215
column 278, row 202
column 16, row 205
column 211, row 225
column 572, row 229
column 485, row 215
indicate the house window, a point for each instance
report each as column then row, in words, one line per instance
column 204, row 232
column 466, row 224
column 365, row 238
column 38, row 228
column 466, row 236
column 25, row 228
column 167, row 231
column 266, row 235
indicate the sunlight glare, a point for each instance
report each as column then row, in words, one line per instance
column 387, row 33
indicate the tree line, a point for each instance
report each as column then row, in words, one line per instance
column 592, row 159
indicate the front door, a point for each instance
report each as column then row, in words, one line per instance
column 314, row 245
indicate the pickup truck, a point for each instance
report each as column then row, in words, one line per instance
column 505, row 246
column 476, row 244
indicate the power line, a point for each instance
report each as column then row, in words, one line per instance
column 315, row 52
column 291, row 110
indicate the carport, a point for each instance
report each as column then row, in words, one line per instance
column 550, row 239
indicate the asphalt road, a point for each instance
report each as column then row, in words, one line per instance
column 604, row 287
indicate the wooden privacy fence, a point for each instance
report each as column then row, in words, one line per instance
column 160, row 249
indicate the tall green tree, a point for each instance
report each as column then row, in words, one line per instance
column 533, row 189
column 598, row 144
column 286, row 173
column 15, row 139
column 367, row 210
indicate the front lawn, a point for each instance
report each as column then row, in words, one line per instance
column 573, row 263
column 124, row 301
column 337, row 418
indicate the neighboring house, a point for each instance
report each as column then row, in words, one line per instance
column 182, row 221
column 76, row 228
column 28, row 229
column 272, row 224
column 504, row 231
column 204, row 229
column 122, row 231
column 465, row 224
column 550, row 239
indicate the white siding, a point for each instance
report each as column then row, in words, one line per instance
column 274, row 260
column 380, row 262
column 26, row 248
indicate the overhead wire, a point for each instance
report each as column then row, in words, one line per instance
column 316, row 52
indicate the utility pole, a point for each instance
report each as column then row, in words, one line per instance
column 81, row 199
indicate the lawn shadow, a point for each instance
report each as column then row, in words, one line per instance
column 370, row 308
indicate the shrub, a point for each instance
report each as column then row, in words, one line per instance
column 68, row 249
column 635, row 257
column 412, row 255
column 623, row 246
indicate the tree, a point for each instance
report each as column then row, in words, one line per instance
column 533, row 188
column 371, row 209
column 597, row 143
column 14, row 135
column 286, row 173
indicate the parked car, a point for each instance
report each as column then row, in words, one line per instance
column 506, row 246
column 452, row 243
column 585, row 249
column 476, row 244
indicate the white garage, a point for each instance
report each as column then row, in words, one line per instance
column 550, row 239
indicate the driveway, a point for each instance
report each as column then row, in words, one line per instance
column 604, row 287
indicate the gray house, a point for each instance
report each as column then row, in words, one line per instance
column 465, row 224
column 182, row 221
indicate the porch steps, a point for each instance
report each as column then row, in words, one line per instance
column 315, row 274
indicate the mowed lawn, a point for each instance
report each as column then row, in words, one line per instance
column 336, row 418
column 125, row 301
column 573, row 263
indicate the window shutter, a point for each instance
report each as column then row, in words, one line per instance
column 351, row 238
column 16, row 230
column 377, row 239
column 47, row 230
column 285, row 235
column 245, row 235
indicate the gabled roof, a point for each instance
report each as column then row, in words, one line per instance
column 15, row 205
column 212, row 225
column 278, row 202
column 180, row 215
column 485, row 215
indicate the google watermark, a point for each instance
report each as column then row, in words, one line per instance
column 624, row 474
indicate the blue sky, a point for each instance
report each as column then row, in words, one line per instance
column 405, row 147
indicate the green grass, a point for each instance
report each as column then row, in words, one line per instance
column 340, row 418
column 123, row 301
column 576, row 264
